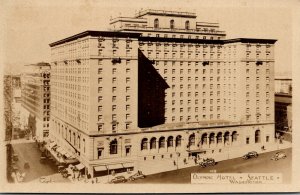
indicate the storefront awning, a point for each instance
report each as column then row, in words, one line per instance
column 100, row 168
column 59, row 149
column 63, row 152
column 127, row 165
column 196, row 151
column 71, row 161
column 51, row 145
column 79, row 166
column 116, row 166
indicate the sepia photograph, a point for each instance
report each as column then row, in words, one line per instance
column 149, row 96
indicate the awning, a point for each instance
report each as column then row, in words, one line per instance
column 127, row 165
column 63, row 152
column 71, row 161
column 100, row 168
column 196, row 151
column 51, row 145
column 59, row 149
column 67, row 155
column 79, row 166
column 116, row 166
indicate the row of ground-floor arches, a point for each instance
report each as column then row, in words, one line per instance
column 192, row 140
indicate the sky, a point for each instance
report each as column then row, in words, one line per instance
column 28, row 27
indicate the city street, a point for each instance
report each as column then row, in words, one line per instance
column 262, row 164
column 29, row 152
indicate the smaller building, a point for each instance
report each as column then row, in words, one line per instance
column 35, row 95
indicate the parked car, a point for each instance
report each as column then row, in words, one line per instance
column 138, row 175
column 208, row 162
column 43, row 159
column 278, row 155
column 15, row 157
column 118, row 179
column 250, row 155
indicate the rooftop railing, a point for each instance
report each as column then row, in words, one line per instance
column 143, row 12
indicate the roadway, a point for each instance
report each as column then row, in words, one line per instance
column 261, row 164
column 29, row 152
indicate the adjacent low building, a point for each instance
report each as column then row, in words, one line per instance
column 159, row 88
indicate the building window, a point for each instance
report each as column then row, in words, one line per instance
column 178, row 141
column 99, row 108
column 172, row 24
column 114, row 107
column 187, row 25
column 144, row 144
column 161, row 143
column 257, row 136
column 100, row 127
column 247, row 140
column 170, row 141
column 113, row 147
column 156, row 23
column 153, row 143
column 192, row 140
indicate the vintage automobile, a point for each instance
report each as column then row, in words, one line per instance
column 278, row 155
column 250, row 155
column 208, row 162
column 118, row 179
column 138, row 175
column 43, row 159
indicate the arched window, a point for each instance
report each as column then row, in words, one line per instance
column 74, row 139
column 187, row 25
column 212, row 138
column 78, row 141
column 257, row 136
column 234, row 136
column 204, row 139
column 144, row 144
column 66, row 132
column 113, row 147
column 219, row 138
column 162, row 142
column 172, row 24
column 178, row 141
column 170, row 141
column 226, row 137
column 192, row 140
column 83, row 145
column 153, row 143
column 156, row 23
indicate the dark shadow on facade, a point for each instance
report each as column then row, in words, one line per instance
column 151, row 94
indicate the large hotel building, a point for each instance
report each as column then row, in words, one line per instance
column 159, row 87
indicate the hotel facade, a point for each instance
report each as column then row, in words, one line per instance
column 158, row 88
